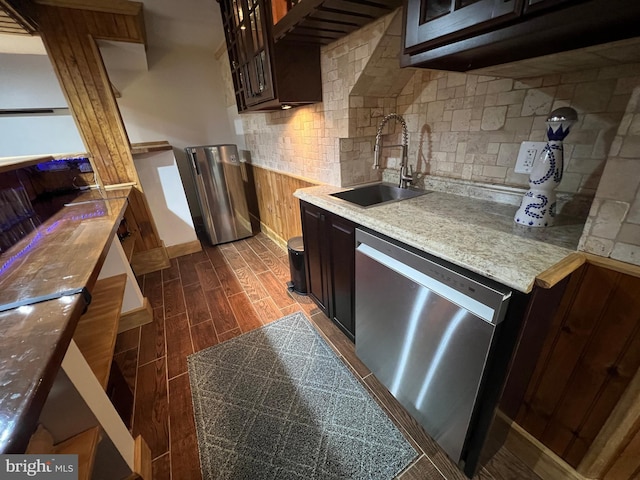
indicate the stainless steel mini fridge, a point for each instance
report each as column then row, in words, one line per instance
column 217, row 174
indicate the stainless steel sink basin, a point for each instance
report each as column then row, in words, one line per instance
column 378, row 194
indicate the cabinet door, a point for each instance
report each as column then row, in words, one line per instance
column 316, row 256
column 235, row 25
column 531, row 6
column 431, row 23
column 342, row 239
column 257, row 70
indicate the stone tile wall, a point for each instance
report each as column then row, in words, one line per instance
column 305, row 141
column 613, row 227
column 463, row 126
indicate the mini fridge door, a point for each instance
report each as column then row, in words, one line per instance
column 220, row 189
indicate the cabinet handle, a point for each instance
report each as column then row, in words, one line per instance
column 322, row 217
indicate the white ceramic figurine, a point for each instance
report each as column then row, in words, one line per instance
column 538, row 207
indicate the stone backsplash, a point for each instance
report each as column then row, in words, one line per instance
column 464, row 126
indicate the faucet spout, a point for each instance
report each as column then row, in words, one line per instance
column 405, row 178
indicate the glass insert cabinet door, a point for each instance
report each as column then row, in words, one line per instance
column 433, row 23
column 248, row 49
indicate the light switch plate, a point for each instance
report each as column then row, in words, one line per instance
column 528, row 154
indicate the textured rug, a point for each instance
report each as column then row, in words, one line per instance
column 276, row 403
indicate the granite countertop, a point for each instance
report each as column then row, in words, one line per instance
column 479, row 235
column 45, row 273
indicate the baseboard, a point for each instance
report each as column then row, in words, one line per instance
column 273, row 235
column 544, row 463
column 136, row 317
column 181, row 249
column 149, row 261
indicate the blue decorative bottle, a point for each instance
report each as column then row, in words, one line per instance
column 538, row 208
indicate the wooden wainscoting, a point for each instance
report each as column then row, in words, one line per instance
column 582, row 402
column 277, row 209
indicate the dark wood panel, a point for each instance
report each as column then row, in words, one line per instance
column 244, row 312
column 221, row 313
column 152, row 341
column 590, row 355
column 197, row 309
column 173, row 298
column 184, row 448
column 179, row 348
column 342, row 237
column 150, row 414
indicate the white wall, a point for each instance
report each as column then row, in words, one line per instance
column 181, row 97
column 160, row 180
column 26, row 82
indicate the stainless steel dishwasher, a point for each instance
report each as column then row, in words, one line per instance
column 425, row 329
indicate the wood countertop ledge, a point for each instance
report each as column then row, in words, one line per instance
column 64, row 254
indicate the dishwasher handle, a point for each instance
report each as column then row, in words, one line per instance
column 481, row 300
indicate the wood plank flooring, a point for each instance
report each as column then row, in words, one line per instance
column 212, row 296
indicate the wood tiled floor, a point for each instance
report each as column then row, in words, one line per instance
column 212, row 296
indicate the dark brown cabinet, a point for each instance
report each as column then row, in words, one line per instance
column 267, row 76
column 329, row 244
column 437, row 22
column 462, row 35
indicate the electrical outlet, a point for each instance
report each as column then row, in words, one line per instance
column 528, row 154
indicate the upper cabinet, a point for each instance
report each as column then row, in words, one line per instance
column 267, row 76
column 431, row 23
column 324, row 21
column 274, row 45
column 463, row 35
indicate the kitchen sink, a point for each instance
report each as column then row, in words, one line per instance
column 378, row 194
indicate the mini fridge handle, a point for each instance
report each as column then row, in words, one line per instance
column 194, row 161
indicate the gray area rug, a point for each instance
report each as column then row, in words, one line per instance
column 276, row 403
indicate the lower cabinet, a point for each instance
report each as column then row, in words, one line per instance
column 329, row 244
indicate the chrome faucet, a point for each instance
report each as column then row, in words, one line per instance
column 406, row 174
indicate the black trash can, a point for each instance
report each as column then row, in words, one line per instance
column 298, row 281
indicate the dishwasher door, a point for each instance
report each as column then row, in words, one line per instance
column 425, row 331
